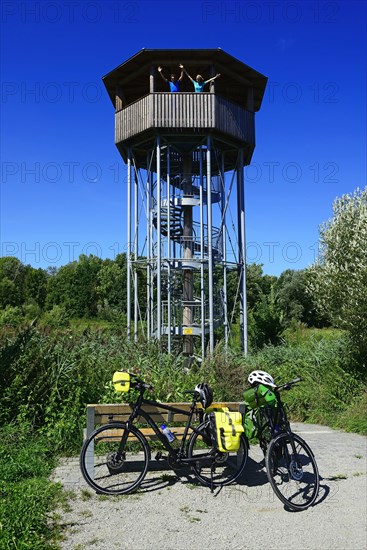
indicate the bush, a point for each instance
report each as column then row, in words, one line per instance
column 57, row 317
column 31, row 311
column 11, row 316
column 226, row 372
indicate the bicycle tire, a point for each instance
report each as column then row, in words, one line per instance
column 228, row 466
column 294, row 477
column 98, row 463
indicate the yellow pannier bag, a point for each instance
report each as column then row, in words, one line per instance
column 226, row 428
column 121, row 381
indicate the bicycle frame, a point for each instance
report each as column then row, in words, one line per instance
column 271, row 418
column 275, row 419
column 138, row 411
column 122, row 466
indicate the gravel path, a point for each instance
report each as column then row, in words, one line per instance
column 176, row 514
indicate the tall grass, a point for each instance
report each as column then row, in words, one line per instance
column 333, row 390
column 26, row 493
column 47, row 378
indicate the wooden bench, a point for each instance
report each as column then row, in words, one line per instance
column 102, row 414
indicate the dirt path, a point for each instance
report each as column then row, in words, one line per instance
column 176, row 514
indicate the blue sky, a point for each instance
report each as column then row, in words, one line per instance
column 63, row 189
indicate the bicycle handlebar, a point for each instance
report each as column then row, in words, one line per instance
column 142, row 385
column 288, row 385
column 138, row 382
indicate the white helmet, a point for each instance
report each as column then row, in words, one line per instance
column 261, row 377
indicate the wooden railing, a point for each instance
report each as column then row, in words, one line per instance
column 185, row 111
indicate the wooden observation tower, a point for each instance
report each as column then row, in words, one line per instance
column 185, row 154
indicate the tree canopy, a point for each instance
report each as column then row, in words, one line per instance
column 91, row 287
column 338, row 281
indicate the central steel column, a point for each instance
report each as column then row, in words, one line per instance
column 187, row 275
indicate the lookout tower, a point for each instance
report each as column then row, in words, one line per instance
column 185, row 154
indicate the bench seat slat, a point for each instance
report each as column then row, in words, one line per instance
column 148, row 432
column 105, row 418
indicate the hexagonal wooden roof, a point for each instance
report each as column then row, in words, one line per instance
column 132, row 76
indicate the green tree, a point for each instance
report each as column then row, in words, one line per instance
column 266, row 321
column 11, row 316
column 74, row 287
column 35, row 286
column 295, row 303
column 11, row 282
column 111, row 287
column 338, row 281
column 263, row 314
column 258, row 285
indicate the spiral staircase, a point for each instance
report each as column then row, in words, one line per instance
column 173, row 266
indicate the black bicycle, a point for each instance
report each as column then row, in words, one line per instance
column 115, row 458
column 290, row 463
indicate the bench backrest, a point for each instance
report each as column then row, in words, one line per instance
column 98, row 414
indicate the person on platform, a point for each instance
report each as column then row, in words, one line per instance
column 174, row 83
column 199, row 83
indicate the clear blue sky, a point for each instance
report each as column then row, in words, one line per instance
column 62, row 179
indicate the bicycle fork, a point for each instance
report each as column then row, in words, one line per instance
column 293, row 465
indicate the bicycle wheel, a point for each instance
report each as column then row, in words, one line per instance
column 214, row 468
column 292, row 471
column 101, row 468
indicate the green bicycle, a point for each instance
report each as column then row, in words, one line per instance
column 290, row 463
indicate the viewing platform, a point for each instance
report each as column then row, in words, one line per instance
column 185, row 113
